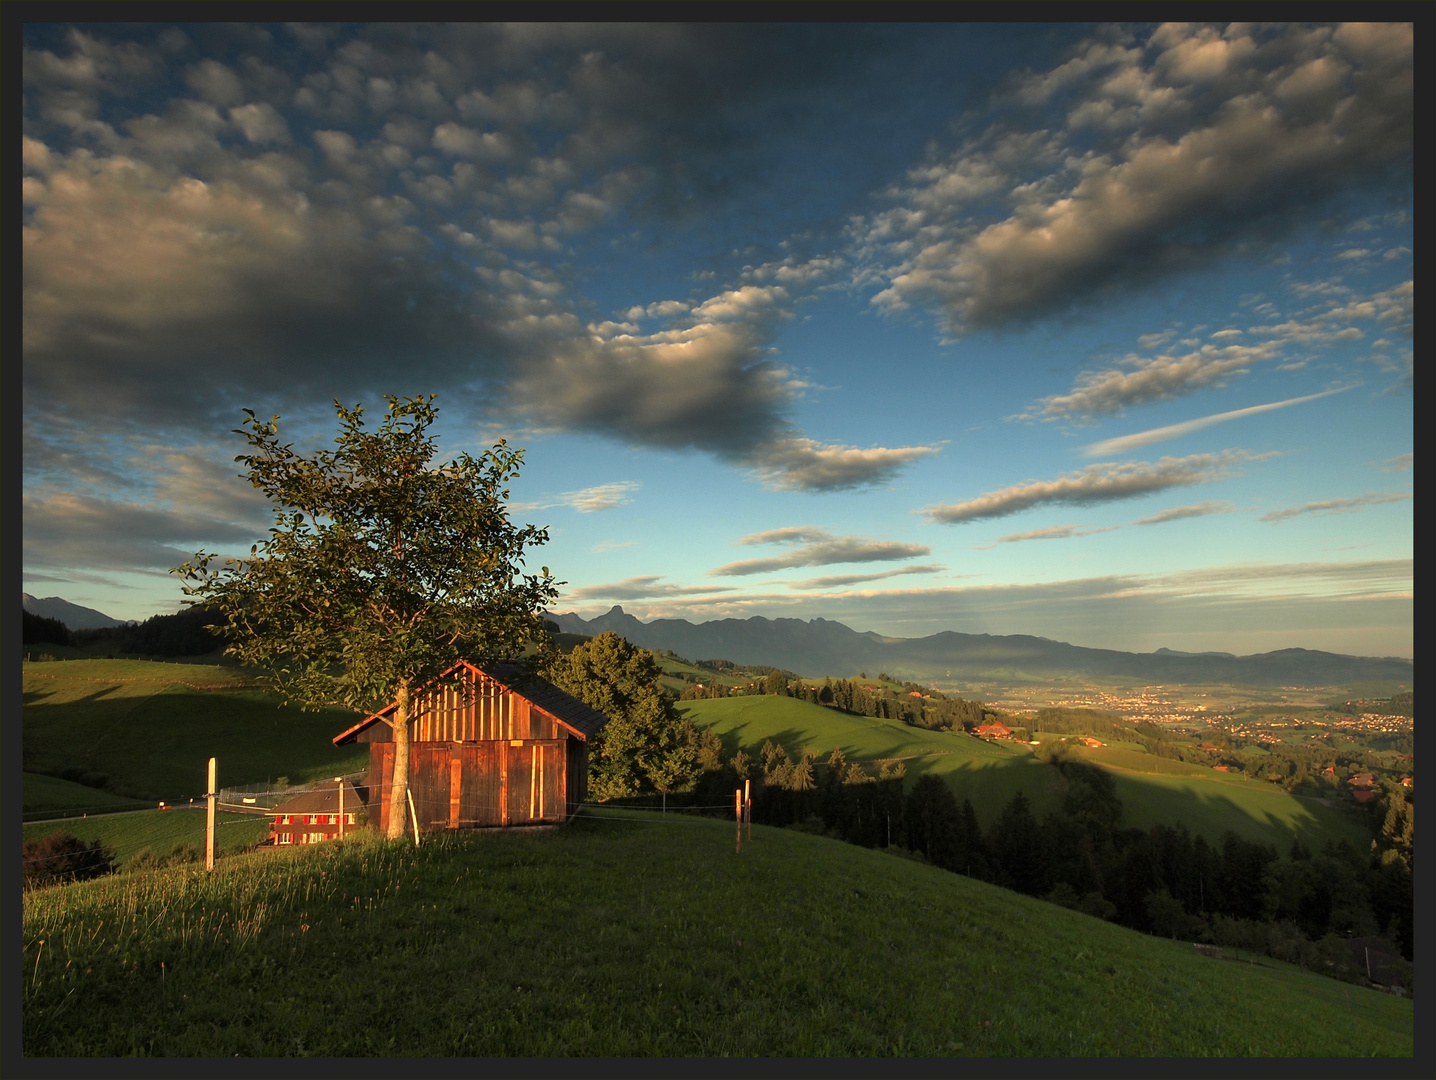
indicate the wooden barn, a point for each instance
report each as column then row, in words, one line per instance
column 492, row 757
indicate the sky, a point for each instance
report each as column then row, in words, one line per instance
column 1100, row 333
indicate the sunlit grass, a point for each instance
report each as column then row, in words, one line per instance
column 635, row 935
column 148, row 729
column 1153, row 790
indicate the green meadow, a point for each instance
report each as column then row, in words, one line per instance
column 126, row 835
column 147, row 730
column 49, row 796
column 1153, row 790
column 524, row 943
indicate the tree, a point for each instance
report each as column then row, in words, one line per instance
column 382, row 569
column 61, row 857
column 38, row 630
column 645, row 746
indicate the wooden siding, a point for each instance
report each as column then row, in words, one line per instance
column 478, row 784
column 489, row 710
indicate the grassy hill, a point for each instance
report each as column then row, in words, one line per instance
column 146, row 730
column 1152, row 789
column 49, row 796
column 524, row 943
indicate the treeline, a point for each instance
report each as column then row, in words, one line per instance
column 1403, row 704
column 185, row 633
column 1303, row 906
column 912, row 703
column 39, row 630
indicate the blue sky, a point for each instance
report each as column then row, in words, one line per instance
column 1100, row 333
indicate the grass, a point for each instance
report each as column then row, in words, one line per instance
column 49, row 796
column 988, row 773
column 147, row 730
column 126, row 835
column 514, row 944
column 1153, row 790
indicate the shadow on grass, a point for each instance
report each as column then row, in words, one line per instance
column 158, row 746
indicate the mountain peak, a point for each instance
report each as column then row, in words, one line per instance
column 73, row 616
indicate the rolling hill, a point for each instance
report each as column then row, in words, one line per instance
column 627, row 934
column 990, row 773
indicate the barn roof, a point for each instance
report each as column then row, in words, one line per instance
column 324, row 800
column 573, row 714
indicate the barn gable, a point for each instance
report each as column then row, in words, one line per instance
column 490, row 710
column 495, row 751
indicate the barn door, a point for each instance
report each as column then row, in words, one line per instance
column 480, row 786
column 536, row 782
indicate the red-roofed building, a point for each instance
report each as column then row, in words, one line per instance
column 995, row 730
column 314, row 816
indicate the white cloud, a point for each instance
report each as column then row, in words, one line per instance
column 839, row 581
column 1122, row 443
column 1095, row 484
column 1055, row 532
column 1168, row 154
column 1336, row 506
column 1179, row 513
column 644, row 587
column 602, row 497
column 798, row 464
column 818, row 547
column 1141, row 379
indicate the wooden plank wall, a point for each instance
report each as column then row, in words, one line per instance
column 493, row 712
column 473, row 785
column 576, row 781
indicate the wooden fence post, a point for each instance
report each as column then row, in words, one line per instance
column 738, row 818
column 748, row 806
column 413, row 815
column 210, row 795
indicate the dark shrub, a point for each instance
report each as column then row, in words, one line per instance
column 61, row 857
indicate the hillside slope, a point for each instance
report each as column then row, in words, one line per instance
column 990, row 773
column 639, row 935
column 146, row 730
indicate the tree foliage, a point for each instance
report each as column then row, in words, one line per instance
column 40, row 630
column 60, row 857
column 382, row 569
column 645, row 746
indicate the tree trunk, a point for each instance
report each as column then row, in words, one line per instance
column 399, row 787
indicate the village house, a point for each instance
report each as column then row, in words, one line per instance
column 314, row 816
column 995, row 730
column 483, row 753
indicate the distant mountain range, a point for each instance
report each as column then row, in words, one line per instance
column 821, row 647
column 73, row 616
